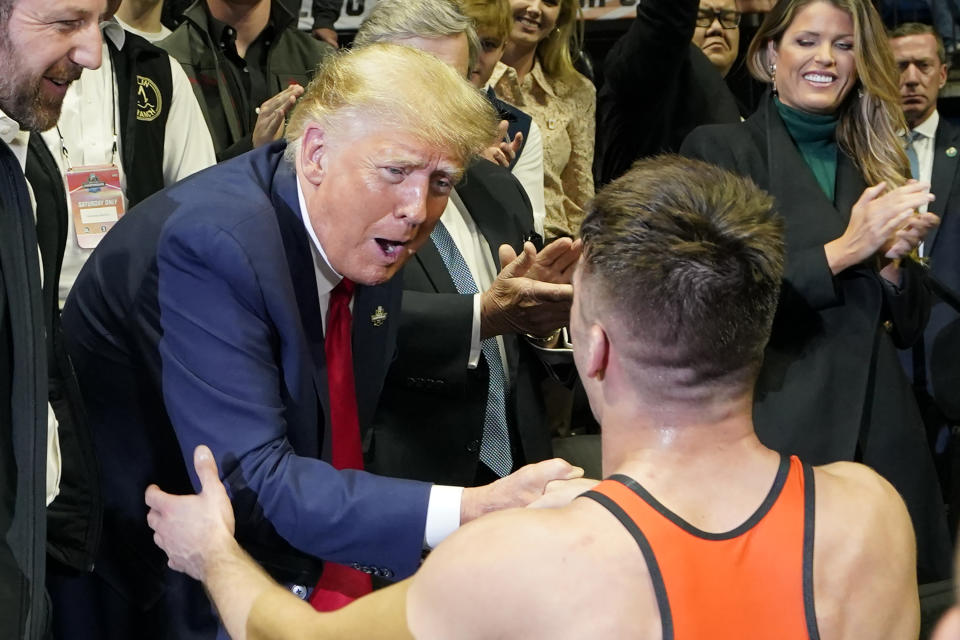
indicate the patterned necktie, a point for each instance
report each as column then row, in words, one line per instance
column 340, row 585
column 911, row 137
column 495, row 446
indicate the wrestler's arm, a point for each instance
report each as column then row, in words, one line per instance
column 196, row 532
column 864, row 571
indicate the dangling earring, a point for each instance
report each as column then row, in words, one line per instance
column 772, row 69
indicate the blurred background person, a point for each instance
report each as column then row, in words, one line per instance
column 680, row 49
column 142, row 17
column 538, row 76
column 522, row 149
column 248, row 64
column 932, row 143
column 826, row 144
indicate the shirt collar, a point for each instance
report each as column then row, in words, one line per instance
column 327, row 276
column 112, row 29
column 498, row 70
column 928, row 128
column 9, row 128
column 222, row 33
column 537, row 74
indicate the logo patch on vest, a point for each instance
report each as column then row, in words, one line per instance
column 149, row 103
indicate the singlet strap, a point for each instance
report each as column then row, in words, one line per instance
column 659, row 589
column 773, row 494
column 809, row 526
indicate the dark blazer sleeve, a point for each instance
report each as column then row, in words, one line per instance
column 325, row 13
column 654, row 47
column 227, row 394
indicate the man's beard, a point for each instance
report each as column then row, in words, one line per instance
column 21, row 97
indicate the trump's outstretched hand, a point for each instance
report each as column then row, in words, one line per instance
column 520, row 488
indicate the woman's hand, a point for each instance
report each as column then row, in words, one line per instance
column 882, row 221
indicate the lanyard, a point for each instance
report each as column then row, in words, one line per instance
column 113, row 122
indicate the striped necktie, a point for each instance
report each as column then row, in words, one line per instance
column 911, row 137
column 495, row 446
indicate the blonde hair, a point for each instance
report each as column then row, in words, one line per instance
column 556, row 51
column 490, row 16
column 870, row 118
column 399, row 87
column 392, row 20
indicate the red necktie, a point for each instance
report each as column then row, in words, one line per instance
column 340, row 585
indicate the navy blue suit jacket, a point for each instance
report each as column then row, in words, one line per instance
column 199, row 312
column 941, row 340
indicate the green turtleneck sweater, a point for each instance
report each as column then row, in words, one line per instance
column 814, row 135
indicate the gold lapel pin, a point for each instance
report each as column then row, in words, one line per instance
column 378, row 317
column 951, row 152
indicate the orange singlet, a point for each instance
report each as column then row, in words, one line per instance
column 755, row 581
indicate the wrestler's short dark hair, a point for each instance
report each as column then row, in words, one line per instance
column 687, row 259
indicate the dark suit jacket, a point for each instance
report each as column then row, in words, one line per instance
column 430, row 419
column 941, row 340
column 831, row 387
column 517, row 122
column 24, row 612
column 657, row 88
column 199, row 312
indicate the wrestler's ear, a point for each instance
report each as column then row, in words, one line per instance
column 597, row 349
column 311, row 161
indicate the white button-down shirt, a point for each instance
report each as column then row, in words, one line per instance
column 924, row 146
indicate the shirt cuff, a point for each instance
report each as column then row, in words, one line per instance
column 443, row 514
column 474, row 358
column 53, row 457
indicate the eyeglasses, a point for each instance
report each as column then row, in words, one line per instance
column 728, row 19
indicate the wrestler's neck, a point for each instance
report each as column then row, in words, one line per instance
column 670, row 437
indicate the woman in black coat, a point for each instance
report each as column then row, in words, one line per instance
column 831, row 387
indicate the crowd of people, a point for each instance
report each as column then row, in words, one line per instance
column 284, row 323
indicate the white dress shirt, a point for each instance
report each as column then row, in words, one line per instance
column 529, row 171
column 443, row 507
column 17, row 141
column 87, row 123
column 924, row 146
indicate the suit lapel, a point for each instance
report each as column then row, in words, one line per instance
column 491, row 220
column 302, row 272
column 432, row 264
column 944, row 174
column 374, row 318
column 820, row 221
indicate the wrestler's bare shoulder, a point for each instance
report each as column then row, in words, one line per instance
column 557, row 573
